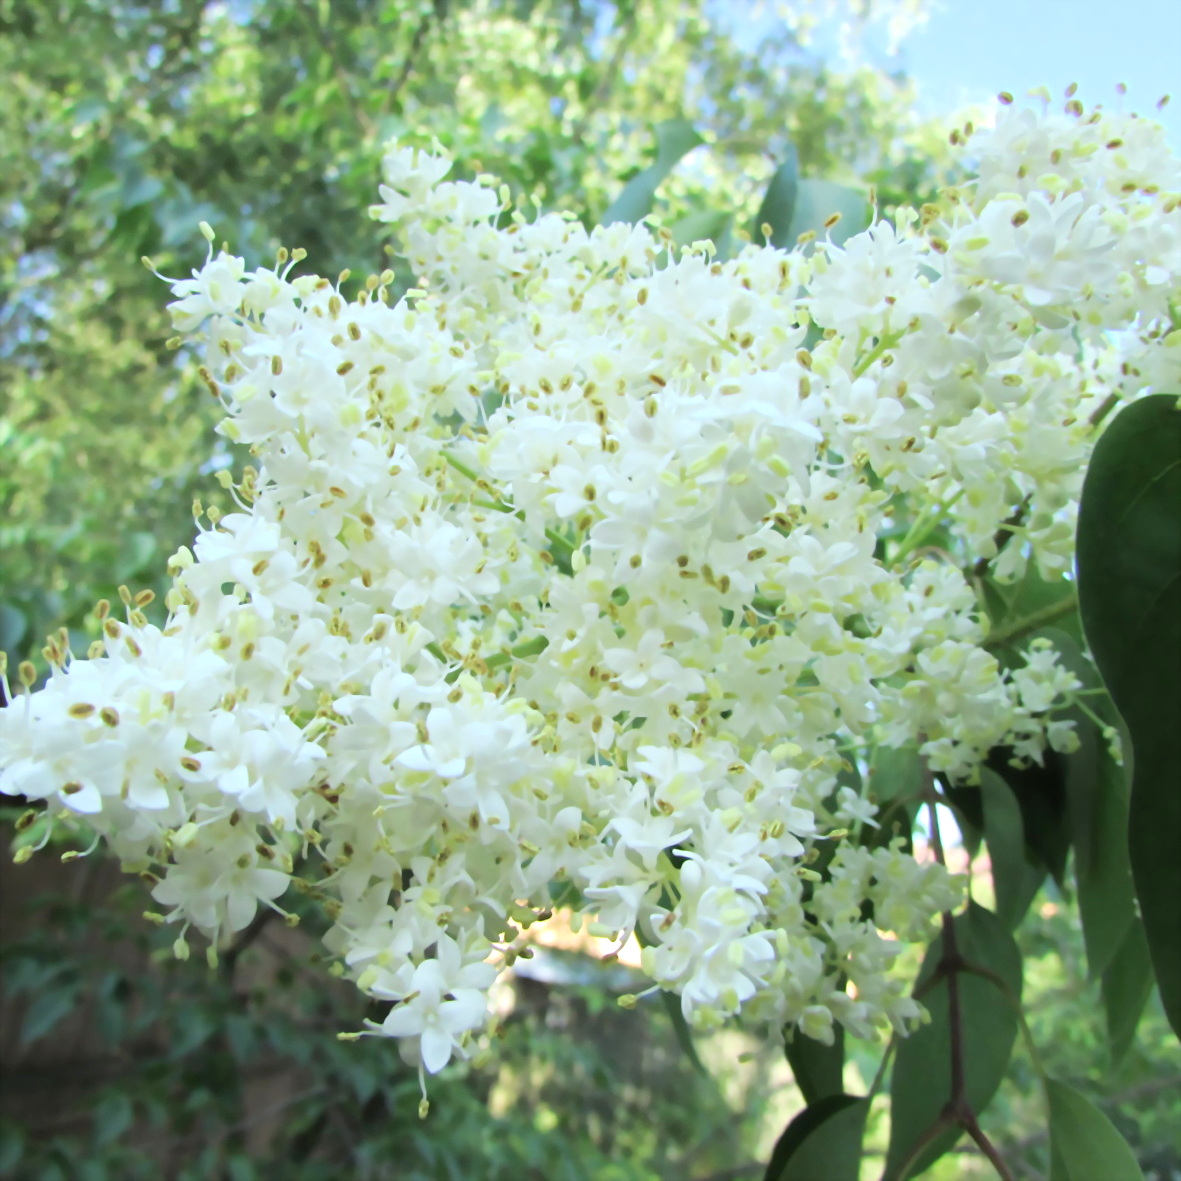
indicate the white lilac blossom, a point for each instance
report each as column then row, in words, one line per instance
column 573, row 577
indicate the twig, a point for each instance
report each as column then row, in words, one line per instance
column 1002, row 537
column 229, row 959
column 438, row 12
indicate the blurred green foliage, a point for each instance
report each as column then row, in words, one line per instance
column 130, row 1065
column 122, row 125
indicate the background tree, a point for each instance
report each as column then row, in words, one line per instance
column 123, row 125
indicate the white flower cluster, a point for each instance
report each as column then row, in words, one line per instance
column 573, row 578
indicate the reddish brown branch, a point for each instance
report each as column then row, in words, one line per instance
column 958, row 1110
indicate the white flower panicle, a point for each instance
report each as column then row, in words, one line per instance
column 575, row 578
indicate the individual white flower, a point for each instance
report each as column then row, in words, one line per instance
column 443, row 1000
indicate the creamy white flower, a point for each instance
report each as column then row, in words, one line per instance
column 574, row 565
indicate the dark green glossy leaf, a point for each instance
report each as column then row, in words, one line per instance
column 779, row 204
column 967, row 803
column 1084, row 1142
column 921, row 1084
column 1015, row 878
column 1040, row 790
column 1126, row 987
column 674, row 139
column 818, row 1069
column 822, row 1143
column 1129, row 574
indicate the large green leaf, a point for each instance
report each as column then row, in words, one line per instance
column 921, row 1085
column 822, row 1143
column 1015, row 878
column 1129, row 574
column 818, row 1069
column 674, row 139
column 1084, row 1144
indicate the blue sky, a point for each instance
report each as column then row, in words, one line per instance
column 971, row 49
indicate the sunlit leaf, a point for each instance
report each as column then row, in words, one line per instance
column 1084, row 1142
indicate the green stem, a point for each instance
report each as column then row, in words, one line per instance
column 923, row 526
column 887, row 342
column 475, row 478
column 1031, row 622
